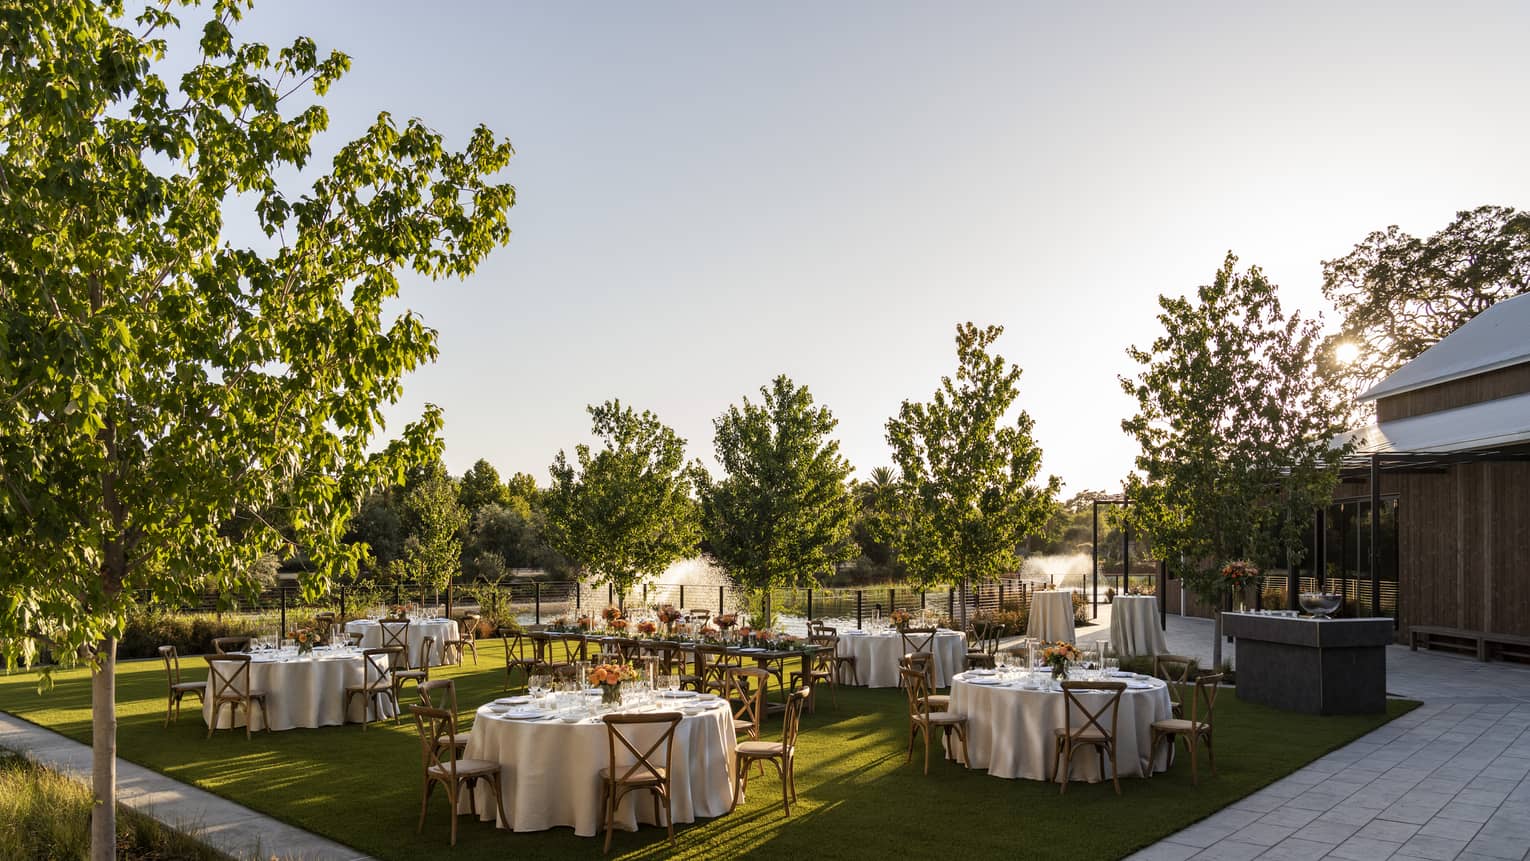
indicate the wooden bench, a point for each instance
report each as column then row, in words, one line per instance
column 1486, row 645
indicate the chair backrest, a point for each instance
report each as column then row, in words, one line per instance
column 395, row 632
column 426, row 644
column 827, row 645
column 515, row 641
column 746, row 686
column 1206, row 688
column 924, row 662
column 446, row 689
column 698, row 617
column 820, row 628
column 1175, row 671
column 377, row 665
column 565, row 672
column 437, row 729
column 919, row 640
column 983, row 637
column 467, row 626
column 224, row 645
column 917, row 687
column 172, row 664
column 228, row 676
column 1093, row 712
column 791, row 721
column 624, row 729
column 665, row 653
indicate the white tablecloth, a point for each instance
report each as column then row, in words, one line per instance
column 1010, row 731
column 439, row 629
column 876, row 656
column 1051, row 617
column 1134, row 626
column 300, row 692
column 551, row 773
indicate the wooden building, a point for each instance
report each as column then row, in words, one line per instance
column 1447, row 468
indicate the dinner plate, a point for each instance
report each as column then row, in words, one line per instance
column 512, row 701
column 708, row 698
column 1121, row 674
column 984, row 681
column 523, row 714
column 981, row 672
column 1138, row 685
column 751, row 649
column 678, row 695
column 693, row 710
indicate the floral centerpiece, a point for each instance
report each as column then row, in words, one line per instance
column 647, row 628
column 611, row 613
column 609, row 678
column 586, row 623
column 1057, row 655
column 668, row 616
column 619, row 625
column 400, row 612
column 304, row 638
column 899, row 619
column 1238, row 575
column 725, row 621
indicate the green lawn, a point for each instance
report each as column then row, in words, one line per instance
column 858, row 798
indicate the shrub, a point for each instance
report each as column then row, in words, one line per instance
column 1080, row 609
column 190, row 633
column 1011, row 622
column 44, row 814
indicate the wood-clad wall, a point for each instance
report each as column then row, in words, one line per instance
column 1502, row 383
column 1463, row 546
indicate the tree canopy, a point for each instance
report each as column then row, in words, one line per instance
column 481, row 486
column 1399, row 294
column 180, row 400
column 1234, row 430
column 623, row 513
column 969, row 473
column 434, row 521
column 781, row 513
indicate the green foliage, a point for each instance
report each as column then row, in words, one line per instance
column 480, row 486
column 879, row 520
column 434, row 521
column 623, row 513
column 177, row 402
column 496, row 602
column 191, row 633
column 378, row 527
column 970, row 494
column 46, row 815
column 502, row 537
column 1399, row 294
column 1234, row 430
column 781, row 514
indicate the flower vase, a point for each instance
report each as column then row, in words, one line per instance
column 305, row 651
column 1059, row 671
column 611, row 695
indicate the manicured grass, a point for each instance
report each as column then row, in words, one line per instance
column 858, row 798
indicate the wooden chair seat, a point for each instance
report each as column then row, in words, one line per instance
column 654, row 774
column 467, row 767
column 941, row 718
column 760, row 748
column 189, row 687
column 1180, row 725
column 1087, row 735
column 254, row 694
column 938, row 702
column 382, row 687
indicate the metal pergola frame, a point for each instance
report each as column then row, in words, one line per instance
column 1126, row 561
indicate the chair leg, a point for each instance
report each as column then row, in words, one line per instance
column 1195, row 779
column 451, row 799
column 424, row 800
column 213, row 724
column 739, row 770
column 1211, row 756
column 610, row 798
column 926, row 750
column 499, row 799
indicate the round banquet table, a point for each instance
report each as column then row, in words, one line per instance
column 1134, row 626
column 440, row 630
column 876, row 656
column 1010, row 730
column 551, row 771
column 300, row 691
column 1051, row 616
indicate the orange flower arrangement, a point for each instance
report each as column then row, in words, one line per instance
column 647, row 628
column 609, row 678
column 899, row 619
column 611, row 613
column 305, row 638
column 618, row 624
column 726, row 620
column 669, row 615
column 586, row 622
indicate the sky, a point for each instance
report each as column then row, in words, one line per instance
column 709, row 195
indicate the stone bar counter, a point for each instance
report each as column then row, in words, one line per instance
column 1316, row 666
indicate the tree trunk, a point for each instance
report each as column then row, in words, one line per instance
column 103, row 769
column 962, row 623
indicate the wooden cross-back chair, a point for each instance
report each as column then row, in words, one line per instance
column 178, row 688
column 1175, row 671
column 923, row 721
column 713, row 663
column 820, row 670
column 520, row 654
column 746, row 692
column 1195, row 730
column 645, row 772
column 442, row 694
column 437, row 730
column 924, row 662
column 228, row 683
column 921, row 640
column 454, row 651
column 781, row 754
column 418, row 675
column 395, row 632
column 841, row 662
column 377, row 666
column 982, row 644
column 324, row 626
column 1092, row 713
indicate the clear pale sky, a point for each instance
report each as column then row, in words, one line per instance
column 710, row 194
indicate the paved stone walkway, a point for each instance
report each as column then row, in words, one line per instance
column 1449, row 780
column 228, row 827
